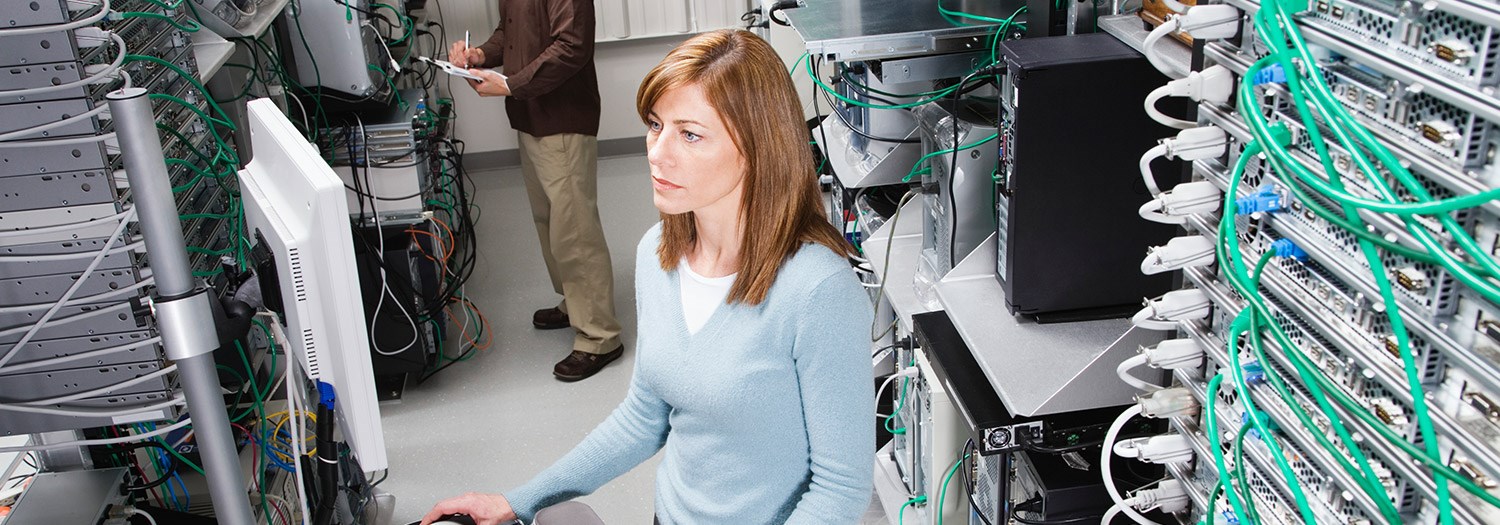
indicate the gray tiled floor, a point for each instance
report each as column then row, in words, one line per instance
column 491, row 423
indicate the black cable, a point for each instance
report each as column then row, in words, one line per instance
column 884, row 348
column 1031, row 446
column 835, row 111
column 363, row 195
column 973, row 454
column 953, row 172
column 1060, row 521
column 127, row 448
column 778, row 6
column 866, row 92
column 822, row 130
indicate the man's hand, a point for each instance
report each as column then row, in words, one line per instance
column 486, row 509
column 462, row 56
column 494, row 84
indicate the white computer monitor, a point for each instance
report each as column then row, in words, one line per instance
column 294, row 203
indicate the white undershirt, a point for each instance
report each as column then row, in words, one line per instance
column 700, row 295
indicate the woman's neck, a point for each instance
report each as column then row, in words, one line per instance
column 717, row 250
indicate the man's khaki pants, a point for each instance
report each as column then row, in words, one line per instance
column 562, row 175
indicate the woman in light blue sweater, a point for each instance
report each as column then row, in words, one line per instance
column 752, row 372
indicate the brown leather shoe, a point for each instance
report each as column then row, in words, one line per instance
column 581, row 365
column 549, row 319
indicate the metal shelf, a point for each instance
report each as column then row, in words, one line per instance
column 882, row 29
column 256, row 26
column 212, row 52
column 1080, row 357
column 905, row 247
column 857, row 173
column 1129, row 29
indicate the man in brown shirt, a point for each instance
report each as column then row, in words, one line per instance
column 545, row 52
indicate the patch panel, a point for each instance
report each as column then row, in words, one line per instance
column 156, row 77
column 16, row 117
column 38, row 13
column 1275, row 489
column 1463, row 140
column 52, row 190
column 26, row 423
column 145, row 33
column 1273, row 493
column 1393, row 459
column 1359, row 352
column 1360, row 317
column 1435, row 40
column 25, row 267
column 82, row 216
column 29, row 76
column 1437, row 174
column 220, row 241
column 44, row 48
column 73, row 380
column 1436, row 300
column 16, row 261
column 139, row 341
column 51, row 159
column 1421, row 79
column 108, row 319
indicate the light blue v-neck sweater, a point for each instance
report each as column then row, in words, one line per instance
column 764, row 415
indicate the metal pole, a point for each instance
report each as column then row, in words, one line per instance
column 182, row 311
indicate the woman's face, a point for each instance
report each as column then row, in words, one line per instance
column 695, row 166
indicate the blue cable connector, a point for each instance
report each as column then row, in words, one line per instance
column 1267, row 199
column 1271, row 74
column 1287, row 248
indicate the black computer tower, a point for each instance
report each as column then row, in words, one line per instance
column 403, row 341
column 1072, row 134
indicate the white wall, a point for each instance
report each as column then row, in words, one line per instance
column 621, row 65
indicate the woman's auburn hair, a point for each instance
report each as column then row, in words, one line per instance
column 781, row 207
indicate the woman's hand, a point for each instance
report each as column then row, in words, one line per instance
column 463, row 56
column 486, row 509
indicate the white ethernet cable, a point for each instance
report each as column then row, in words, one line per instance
column 105, row 74
column 90, row 412
column 385, row 288
column 294, row 392
column 1190, row 144
column 96, row 297
column 1169, row 496
column 104, row 10
column 94, row 264
column 1104, row 467
column 97, row 442
column 53, row 361
column 1163, row 313
column 1203, row 22
column 101, row 390
column 66, row 227
column 910, row 371
column 1172, row 354
column 1214, row 84
column 1180, row 252
column 1174, row 205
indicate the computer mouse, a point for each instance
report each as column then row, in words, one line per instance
column 451, row 519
